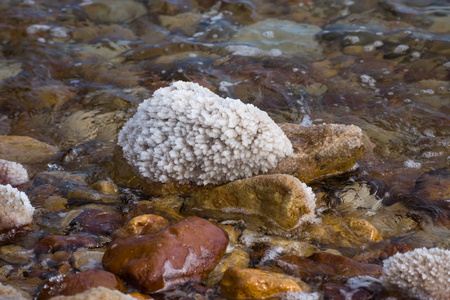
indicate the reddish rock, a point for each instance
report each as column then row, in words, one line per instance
column 98, row 222
column 75, row 284
column 186, row 251
column 354, row 289
column 54, row 243
column 320, row 265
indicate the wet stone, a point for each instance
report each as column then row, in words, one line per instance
column 96, row 221
column 274, row 203
column 54, row 243
column 16, row 254
column 186, row 251
column 321, row 266
column 26, row 150
column 114, row 12
column 141, row 225
column 79, row 283
column 236, row 258
column 85, row 259
column 244, row 283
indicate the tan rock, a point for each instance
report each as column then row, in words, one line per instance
column 98, row 293
column 236, row 258
column 106, row 187
column 114, row 11
column 26, row 150
column 244, row 283
column 84, row 259
column 343, row 232
column 143, row 224
column 275, row 203
column 321, row 151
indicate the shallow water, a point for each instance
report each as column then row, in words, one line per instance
column 72, row 72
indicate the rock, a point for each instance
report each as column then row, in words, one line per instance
column 83, row 195
column 79, row 283
column 14, row 254
column 160, row 207
column 321, row 150
column 356, row 288
column 26, row 150
column 277, row 37
column 142, row 225
column 434, row 185
column 9, row 292
column 106, row 187
column 97, row 294
column 244, row 283
column 274, row 203
column 112, row 32
column 54, row 243
column 9, row 69
column 97, row 221
column 114, row 12
column 186, row 251
column 84, row 259
column 343, row 232
column 320, row 266
column 236, row 258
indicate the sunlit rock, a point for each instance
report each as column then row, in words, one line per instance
column 274, row 203
column 186, row 251
column 236, row 258
column 245, row 283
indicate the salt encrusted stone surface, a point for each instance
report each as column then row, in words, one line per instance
column 16, row 209
column 12, row 173
column 422, row 273
column 187, row 134
column 186, row 251
column 275, row 203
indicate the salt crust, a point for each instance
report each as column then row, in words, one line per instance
column 187, row 134
column 422, row 273
column 98, row 293
column 16, row 209
column 12, row 173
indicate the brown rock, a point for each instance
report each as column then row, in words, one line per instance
column 236, row 258
column 79, row 283
column 276, row 203
column 115, row 11
column 106, row 187
column 343, row 232
column 186, row 251
column 143, row 224
column 54, row 243
column 244, row 283
column 26, row 150
column 97, row 221
column 320, row 266
column 434, row 185
column 321, row 151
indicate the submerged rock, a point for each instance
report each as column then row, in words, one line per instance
column 114, row 12
column 141, row 225
column 186, row 251
column 98, row 293
column 244, row 283
column 26, row 150
column 79, row 283
column 274, row 203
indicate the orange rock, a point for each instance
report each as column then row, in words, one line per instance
column 143, row 224
column 245, row 283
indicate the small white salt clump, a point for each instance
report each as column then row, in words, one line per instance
column 12, row 173
column 15, row 208
column 187, row 134
column 422, row 273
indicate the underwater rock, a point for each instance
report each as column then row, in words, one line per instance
column 97, row 221
column 343, row 232
column 53, row 243
column 26, row 150
column 9, row 292
column 79, row 283
column 98, row 293
column 9, row 69
column 84, row 259
column 186, row 251
column 322, row 265
column 275, row 203
column 114, row 12
column 15, row 254
column 141, row 225
column 245, row 283
column 236, row 258
column 274, row 37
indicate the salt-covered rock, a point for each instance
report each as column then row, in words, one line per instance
column 79, row 283
column 98, row 293
column 275, row 203
column 245, row 283
column 186, row 251
column 422, row 273
column 12, row 173
column 187, row 134
column 16, row 209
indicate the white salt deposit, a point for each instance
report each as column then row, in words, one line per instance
column 422, row 273
column 187, row 134
column 353, row 39
column 412, row 164
column 16, row 209
column 12, row 173
column 244, row 50
column 368, row 80
column 401, row 49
